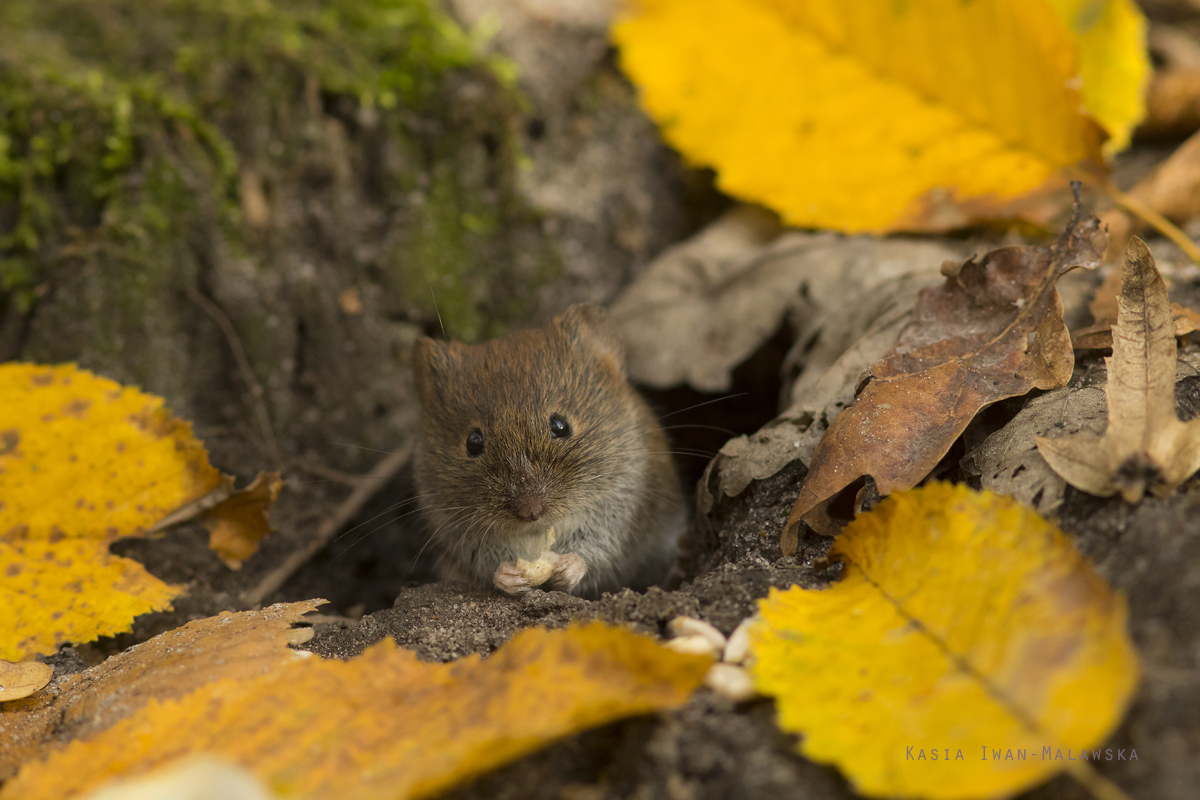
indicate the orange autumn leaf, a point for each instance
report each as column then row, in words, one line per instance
column 238, row 524
column 228, row 646
column 84, row 461
column 385, row 725
column 964, row 622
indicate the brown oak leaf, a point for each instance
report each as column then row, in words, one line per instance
column 992, row 330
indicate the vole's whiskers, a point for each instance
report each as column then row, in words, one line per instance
column 457, row 513
column 698, row 426
column 387, row 510
column 721, row 399
column 378, row 527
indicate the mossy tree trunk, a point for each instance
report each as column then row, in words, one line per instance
column 321, row 170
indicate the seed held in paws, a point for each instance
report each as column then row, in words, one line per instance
column 558, row 572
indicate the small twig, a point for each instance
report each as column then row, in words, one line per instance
column 329, row 473
column 239, row 355
column 1154, row 220
column 1097, row 785
column 1140, row 210
column 369, row 486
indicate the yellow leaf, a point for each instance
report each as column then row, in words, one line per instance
column 238, row 524
column 1112, row 63
column 876, row 116
column 83, row 462
column 964, row 624
column 228, row 646
column 386, row 725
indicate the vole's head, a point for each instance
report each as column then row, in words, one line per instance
column 529, row 430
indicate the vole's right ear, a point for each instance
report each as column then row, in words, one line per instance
column 432, row 362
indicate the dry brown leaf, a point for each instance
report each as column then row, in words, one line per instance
column 832, row 369
column 1172, row 104
column 1172, row 189
column 1145, row 446
column 237, row 646
column 1008, row 461
column 993, row 330
column 1098, row 335
column 705, row 305
column 23, row 678
column 237, row 525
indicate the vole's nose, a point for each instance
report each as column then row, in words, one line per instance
column 529, row 507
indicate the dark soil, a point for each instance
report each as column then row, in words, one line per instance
column 711, row 748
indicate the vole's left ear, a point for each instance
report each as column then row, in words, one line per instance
column 589, row 326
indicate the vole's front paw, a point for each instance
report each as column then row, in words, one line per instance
column 510, row 578
column 569, row 570
column 553, row 571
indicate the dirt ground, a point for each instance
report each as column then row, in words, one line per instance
column 715, row 748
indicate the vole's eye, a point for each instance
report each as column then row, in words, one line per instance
column 559, row 427
column 475, row 443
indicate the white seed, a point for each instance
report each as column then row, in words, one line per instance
column 730, row 681
column 299, row 635
column 690, row 626
column 738, row 648
column 693, row 646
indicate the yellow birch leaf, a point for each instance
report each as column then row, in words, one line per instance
column 922, row 115
column 385, row 725
column 964, row 624
column 83, row 461
column 1113, row 65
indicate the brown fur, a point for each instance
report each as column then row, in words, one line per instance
column 610, row 488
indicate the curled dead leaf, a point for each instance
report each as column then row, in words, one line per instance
column 704, row 306
column 238, row 523
column 1172, row 190
column 1145, row 447
column 1103, row 307
column 993, row 330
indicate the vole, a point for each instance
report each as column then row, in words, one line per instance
column 538, row 463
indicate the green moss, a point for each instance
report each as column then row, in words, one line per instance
column 117, row 119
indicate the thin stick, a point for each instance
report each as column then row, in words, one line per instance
column 329, row 473
column 1097, row 785
column 239, row 355
column 1139, row 210
column 1155, row 220
column 371, row 483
